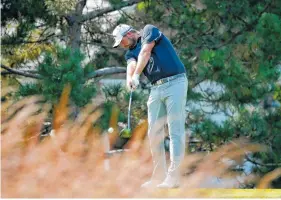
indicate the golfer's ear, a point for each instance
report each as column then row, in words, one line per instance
column 148, row 46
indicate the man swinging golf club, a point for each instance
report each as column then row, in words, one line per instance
column 152, row 53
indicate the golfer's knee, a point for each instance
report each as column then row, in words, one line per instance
column 177, row 139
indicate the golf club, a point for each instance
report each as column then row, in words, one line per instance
column 126, row 132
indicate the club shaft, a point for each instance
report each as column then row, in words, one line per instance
column 129, row 110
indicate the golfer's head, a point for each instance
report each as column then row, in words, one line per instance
column 124, row 36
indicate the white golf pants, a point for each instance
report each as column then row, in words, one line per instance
column 166, row 104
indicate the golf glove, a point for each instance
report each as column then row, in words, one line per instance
column 135, row 81
column 129, row 83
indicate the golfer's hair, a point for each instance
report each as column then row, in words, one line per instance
column 134, row 31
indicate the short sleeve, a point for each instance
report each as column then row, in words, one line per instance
column 150, row 33
column 129, row 57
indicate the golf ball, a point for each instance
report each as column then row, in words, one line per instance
column 110, row 130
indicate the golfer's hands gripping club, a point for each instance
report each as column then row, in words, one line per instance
column 134, row 82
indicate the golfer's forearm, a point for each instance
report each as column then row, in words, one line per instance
column 142, row 61
column 131, row 69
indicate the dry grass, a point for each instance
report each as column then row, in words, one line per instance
column 71, row 163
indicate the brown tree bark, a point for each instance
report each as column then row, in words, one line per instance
column 97, row 73
column 76, row 19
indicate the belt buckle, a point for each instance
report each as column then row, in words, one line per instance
column 161, row 81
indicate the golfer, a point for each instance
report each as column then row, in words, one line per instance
column 151, row 52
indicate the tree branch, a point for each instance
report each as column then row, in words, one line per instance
column 101, row 12
column 107, row 71
column 29, row 42
column 233, row 37
column 262, row 164
column 97, row 43
column 98, row 73
column 18, row 72
column 249, row 27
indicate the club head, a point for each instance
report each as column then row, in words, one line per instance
column 125, row 133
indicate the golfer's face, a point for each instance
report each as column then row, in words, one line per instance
column 126, row 42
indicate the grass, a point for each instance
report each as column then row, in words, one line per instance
column 71, row 162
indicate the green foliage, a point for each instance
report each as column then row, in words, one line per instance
column 101, row 59
column 28, row 10
column 115, row 2
column 270, row 30
column 143, row 5
column 262, row 127
column 29, row 89
column 117, row 95
column 23, row 23
column 25, row 14
column 112, row 91
column 58, row 7
column 277, row 93
column 59, row 69
column 104, row 121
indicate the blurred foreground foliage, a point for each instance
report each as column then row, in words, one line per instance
column 71, row 162
column 117, row 95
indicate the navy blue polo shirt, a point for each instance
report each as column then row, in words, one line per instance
column 163, row 62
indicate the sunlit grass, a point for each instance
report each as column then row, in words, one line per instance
column 72, row 163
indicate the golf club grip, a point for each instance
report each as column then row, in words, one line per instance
column 129, row 110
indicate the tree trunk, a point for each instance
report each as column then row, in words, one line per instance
column 75, row 25
column 75, row 35
column 76, row 19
